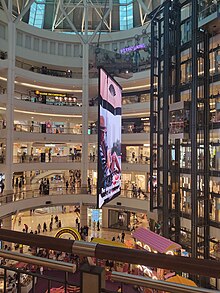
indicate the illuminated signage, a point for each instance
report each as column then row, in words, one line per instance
column 109, row 139
column 49, row 94
column 132, row 48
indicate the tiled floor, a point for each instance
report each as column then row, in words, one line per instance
column 68, row 220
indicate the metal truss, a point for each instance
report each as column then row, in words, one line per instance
column 73, row 11
column 144, row 10
column 65, row 10
column 15, row 10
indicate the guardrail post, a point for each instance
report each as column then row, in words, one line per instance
column 92, row 279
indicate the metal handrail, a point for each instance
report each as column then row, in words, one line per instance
column 39, row 261
column 116, row 276
column 21, row 194
column 210, row 268
column 157, row 284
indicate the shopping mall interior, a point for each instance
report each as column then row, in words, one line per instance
column 165, row 56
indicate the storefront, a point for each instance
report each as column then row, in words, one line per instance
column 136, row 153
column 118, row 219
column 133, row 178
column 123, row 220
column 92, row 174
column 94, row 215
column 57, row 99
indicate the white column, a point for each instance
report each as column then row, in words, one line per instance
column 10, row 107
column 7, row 224
column 28, row 178
column 83, row 215
column 29, row 145
column 85, row 102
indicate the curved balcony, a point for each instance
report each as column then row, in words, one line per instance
column 54, row 100
column 31, row 199
column 44, row 137
column 39, row 162
column 40, row 159
column 131, row 105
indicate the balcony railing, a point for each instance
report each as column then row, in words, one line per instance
column 55, row 101
column 213, row 8
column 82, row 249
column 25, row 193
column 50, row 130
column 46, row 159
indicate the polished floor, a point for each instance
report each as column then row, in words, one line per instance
column 68, row 219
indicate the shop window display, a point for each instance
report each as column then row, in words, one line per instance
column 119, row 219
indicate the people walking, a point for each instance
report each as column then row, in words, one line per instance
column 38, row 228
column 123, row 237
column 44, row 227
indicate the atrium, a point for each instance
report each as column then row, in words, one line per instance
column 162, row 59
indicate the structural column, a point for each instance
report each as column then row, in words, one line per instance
column 7, row 224
column 85, row 103
column 10, row 107
column 83, row 215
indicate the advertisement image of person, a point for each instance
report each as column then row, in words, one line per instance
column 115, row 166
column 104, row 155
column 109, row 150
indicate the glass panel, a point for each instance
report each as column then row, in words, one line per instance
column 37, row 11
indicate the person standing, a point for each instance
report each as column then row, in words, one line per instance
column 67, row 185
column 26, row 228
column 56, row 219
column 98, row 226
column 89, row 186
column 44, row 227
column 38, row 228
column 123, row 237
column 49, row 154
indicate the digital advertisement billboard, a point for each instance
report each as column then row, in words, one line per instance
column 109, row 139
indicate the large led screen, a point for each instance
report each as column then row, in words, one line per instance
column 109, row 139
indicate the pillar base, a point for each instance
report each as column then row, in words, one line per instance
column 92, row 279
column 83, row 215
column 8, row 195
column 83, row 189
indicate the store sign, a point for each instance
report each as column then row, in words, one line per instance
column 49, row 94
column 95, row 215
column 132, row 48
